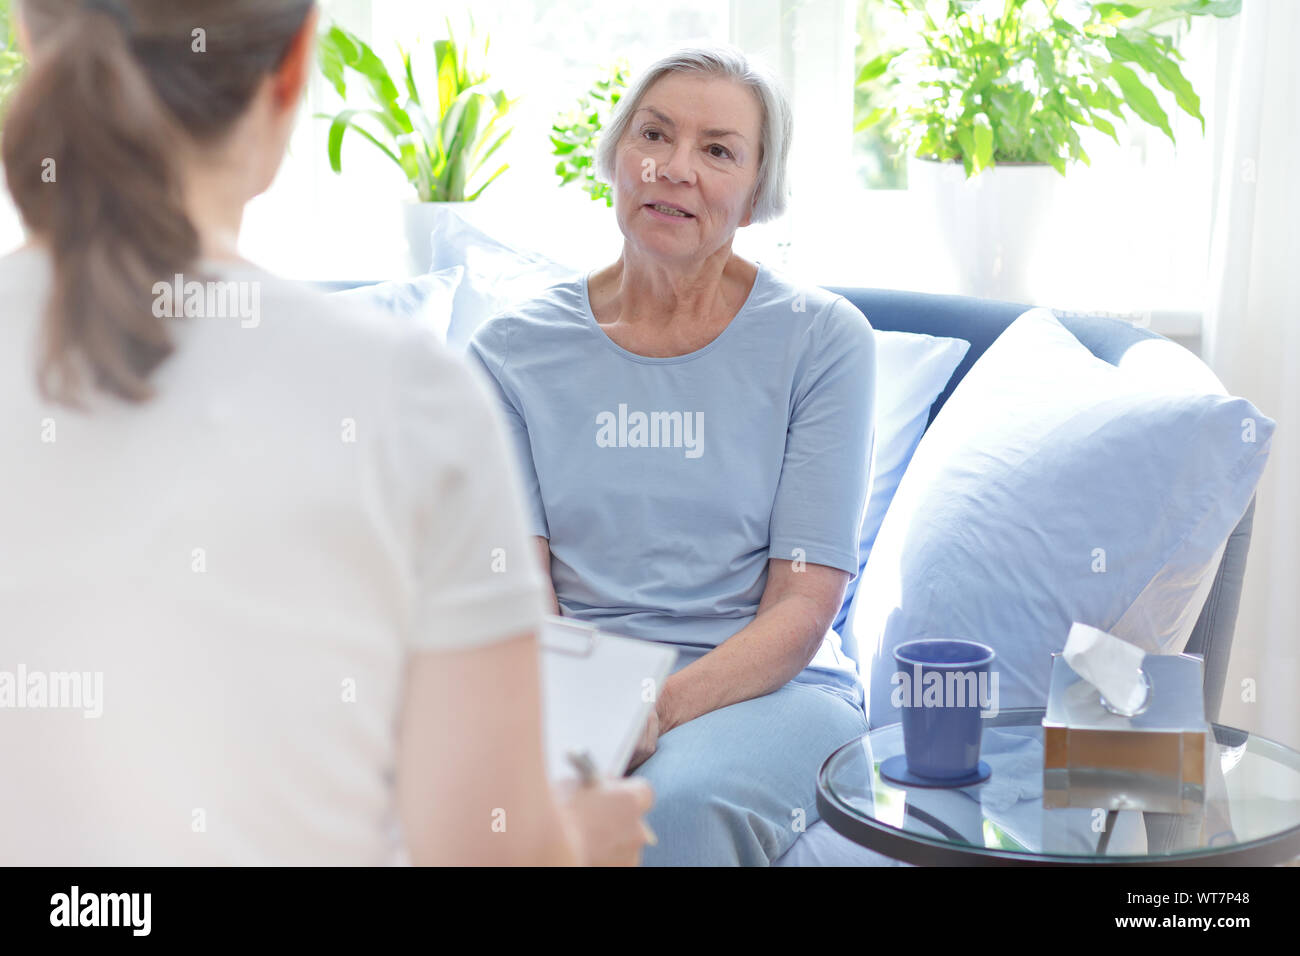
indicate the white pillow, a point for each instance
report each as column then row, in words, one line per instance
column 1054, row 487
column 912, row 370
column 426, row 299
column 496, row 274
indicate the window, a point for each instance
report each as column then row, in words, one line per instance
column 1129, row 235
column 313, row 223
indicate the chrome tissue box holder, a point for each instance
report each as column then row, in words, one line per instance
column 1154, row 760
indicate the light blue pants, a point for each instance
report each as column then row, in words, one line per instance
column 738, row 785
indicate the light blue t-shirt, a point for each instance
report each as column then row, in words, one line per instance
column 665, row 484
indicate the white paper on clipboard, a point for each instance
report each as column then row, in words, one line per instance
column 597, row 692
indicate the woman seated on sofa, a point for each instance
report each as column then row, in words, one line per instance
column 258, row 542
column 694, row 432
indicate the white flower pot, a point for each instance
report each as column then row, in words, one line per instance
column 419, row 220
column 989, row 230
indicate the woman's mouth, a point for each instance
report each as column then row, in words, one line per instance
column 668, row 212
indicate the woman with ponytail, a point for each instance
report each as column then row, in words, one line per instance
column 253, row 611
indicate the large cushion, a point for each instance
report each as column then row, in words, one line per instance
column 911, row 371
column 425, row 299
column 496, row 275
column 1054, row 487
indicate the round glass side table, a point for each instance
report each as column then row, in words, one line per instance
column 1250, row 816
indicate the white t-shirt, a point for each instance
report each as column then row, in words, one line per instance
column 241, row 566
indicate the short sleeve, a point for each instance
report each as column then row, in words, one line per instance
column 475, row 568
column 488, row 353
column 822, row 492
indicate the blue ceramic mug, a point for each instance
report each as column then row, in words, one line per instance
column 941, row 714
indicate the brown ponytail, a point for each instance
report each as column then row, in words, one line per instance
column 115, row 89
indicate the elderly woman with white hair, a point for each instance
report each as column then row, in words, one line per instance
column 694, row 431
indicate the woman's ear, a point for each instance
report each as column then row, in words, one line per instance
column 290, row 78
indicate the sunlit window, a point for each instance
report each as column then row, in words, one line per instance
column 1128, row 235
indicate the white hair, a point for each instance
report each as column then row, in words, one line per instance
column 775, row 127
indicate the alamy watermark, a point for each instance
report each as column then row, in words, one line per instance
column 952, row 688
column 626, row 429
column 232, row 299
column 25, row 689
column 129, row 910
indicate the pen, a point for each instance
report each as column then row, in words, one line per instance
column 582, row 762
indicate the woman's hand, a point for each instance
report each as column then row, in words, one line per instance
column 605, row 820
column 649, row 741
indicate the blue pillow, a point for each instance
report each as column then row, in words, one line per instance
column 912, row 370
column 1054, row 487
column 426, row 299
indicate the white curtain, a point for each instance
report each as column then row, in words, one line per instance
column 1252, row 339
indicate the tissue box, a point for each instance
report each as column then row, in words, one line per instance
column 1152, row 761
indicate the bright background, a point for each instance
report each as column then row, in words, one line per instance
column 1129, row 237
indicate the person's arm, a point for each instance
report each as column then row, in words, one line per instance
column 472, row 786
column 794, row 614
column 459, row 806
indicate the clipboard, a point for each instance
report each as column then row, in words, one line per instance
column 597, row 692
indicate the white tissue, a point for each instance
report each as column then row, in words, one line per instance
column 1111, row 665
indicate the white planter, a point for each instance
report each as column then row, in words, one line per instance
column 989, row 230
column 419, row 219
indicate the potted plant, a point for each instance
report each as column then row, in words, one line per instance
column 441, row 137
column 989, row 100
column 574, row 133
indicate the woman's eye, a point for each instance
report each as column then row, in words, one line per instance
column 719, row 152
column 651, row 134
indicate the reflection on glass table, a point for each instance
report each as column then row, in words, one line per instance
column 1250, row 814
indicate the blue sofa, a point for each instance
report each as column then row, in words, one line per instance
column 980, row 321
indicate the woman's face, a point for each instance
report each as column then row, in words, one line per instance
column 691, row 146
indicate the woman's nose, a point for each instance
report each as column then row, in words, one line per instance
column 679, row 168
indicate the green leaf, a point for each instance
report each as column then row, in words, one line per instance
column 487, row 154
column 983, row 138
column 871, row 119
column 444, row 58
column 331, row 67
column 1102, row 97
column 341, row 124
column 357, row 55
column 1213, row 8
column 1165, row 71
column 427, row 139
column 876, row 66
column 412, row 90
column 966, row 140
column 1112, row 12
column 1064, row 27
column 1104, row 125
column 1121, row 47
column 486, row 184
column 459, row 147
column 1140, row 99
column 1045, row 60
column 426, row 181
